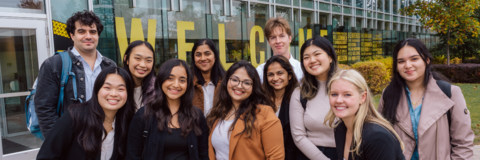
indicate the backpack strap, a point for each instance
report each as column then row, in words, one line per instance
column 447, row 90
column 66, row 72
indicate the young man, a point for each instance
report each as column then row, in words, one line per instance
column 84, row 29
column 279, row 36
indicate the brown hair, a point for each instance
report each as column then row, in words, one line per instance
column 274, row 22
column 292, row 83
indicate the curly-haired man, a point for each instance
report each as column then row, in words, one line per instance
column 84, row 29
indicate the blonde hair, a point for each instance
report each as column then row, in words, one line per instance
column 366, row 112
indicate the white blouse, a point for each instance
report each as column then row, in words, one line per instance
column 107, row 144
column 221, row 139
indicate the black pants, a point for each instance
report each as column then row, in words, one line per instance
column 327, row 151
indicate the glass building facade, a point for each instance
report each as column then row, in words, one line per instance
column 358, row 29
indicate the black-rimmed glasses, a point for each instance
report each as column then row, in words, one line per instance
column 247, row 84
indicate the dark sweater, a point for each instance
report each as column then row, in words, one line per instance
column 378, row 143
column 155, row 139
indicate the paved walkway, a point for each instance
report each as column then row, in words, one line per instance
column 476, row 152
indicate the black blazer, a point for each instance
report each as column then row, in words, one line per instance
column 290, row 148
column 61, row 142
column 155, row 139
column 377, row 143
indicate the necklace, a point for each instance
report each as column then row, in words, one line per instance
column 419, row 99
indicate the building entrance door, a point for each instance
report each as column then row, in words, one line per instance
column 23, row 45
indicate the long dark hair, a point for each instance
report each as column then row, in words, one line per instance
column 217, row 71
column 247, row 108
column 292, row 83
column 309, row 88
column 88, row 117
column 148, row 78
column 188, row 117
column 391, row 96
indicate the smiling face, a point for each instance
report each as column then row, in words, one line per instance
column 140, row 63
column 113, row 94
column 316, row 62
column 410, row 65
column 239, row 86
column 204, row 58
column 176, row 84
column 277, row 76
column 345, row 99
column 85, row 38
column 279, row 41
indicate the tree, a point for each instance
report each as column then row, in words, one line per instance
column 451, row 17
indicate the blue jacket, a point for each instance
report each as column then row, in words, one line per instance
column 48, row 88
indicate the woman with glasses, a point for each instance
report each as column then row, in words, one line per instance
column 243, row 123
column 310, row 104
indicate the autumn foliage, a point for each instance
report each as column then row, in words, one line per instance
column 375, row 73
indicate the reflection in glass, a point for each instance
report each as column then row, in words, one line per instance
column 347, row 10
column 23, row 6
column 359, row 3
column 336, row 8
column 18, row 60
column 63, row 9
column 324, row 6
column 347, row 2
column 307, row 3
column 337, row 1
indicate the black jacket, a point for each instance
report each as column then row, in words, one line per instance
column 290, row 148
column 62, row 142
column 198, row 145
column 378, row 143
column 48, row 88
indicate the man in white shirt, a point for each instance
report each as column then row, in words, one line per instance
column 279, row 36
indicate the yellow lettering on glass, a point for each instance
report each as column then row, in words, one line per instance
column 222, row 49
column 253, row 48
column 323, row 33
column 136, row 32
column 301, row 37
column 183, row 46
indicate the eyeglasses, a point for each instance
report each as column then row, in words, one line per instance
column 245, row 84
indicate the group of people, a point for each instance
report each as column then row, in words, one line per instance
column 283, row 109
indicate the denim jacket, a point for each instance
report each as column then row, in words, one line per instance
column 48, row 88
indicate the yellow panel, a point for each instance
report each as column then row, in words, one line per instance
column 323, row 33
column 222, row 49
column 136, row 32
column 183, row 46
column 253, row 48
column 121, row 35
column 152, row 31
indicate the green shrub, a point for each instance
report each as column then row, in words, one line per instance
column 439, row 59
column 344, row 66
column 375, row 73
column 387, row 62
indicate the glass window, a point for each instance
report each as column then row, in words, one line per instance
column 307, row 4
column 359, row 3
column 359, row 12
column 347, row 10
column 286, row 2
column 104, row 10
column 18, row 70
column 337, row 1
column 336, row 8
column 387, row 6
column 295, row 3
column 380, row 5
column 387, row 17
column 323, row 20
column 395, row 18
column 347, row 2
column 23, row 6
column 395, row 6
column 61, row 11
column 258, row 17
column 379, row 16
column 324, row 6
column 336, row 21
column 369, row 13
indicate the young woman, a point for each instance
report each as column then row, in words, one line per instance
column 279, row 86
column 169, row 127
column 243, row 122
column 362, row 133
column 139, row 61
column 309, row 102
column 207, row 72
column 430, row 123
column 96, row 129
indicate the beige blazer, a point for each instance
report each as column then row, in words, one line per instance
column 433, row 132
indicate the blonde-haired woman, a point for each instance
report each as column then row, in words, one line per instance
column 361, row 132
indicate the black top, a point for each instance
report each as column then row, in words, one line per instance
column 377, row 143
column 176, row 147
column 156, row 140
column 62, row 142
column 290, row 148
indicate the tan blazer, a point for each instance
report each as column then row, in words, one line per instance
column 433, row 132
column 198, row 98
column 266, row 141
